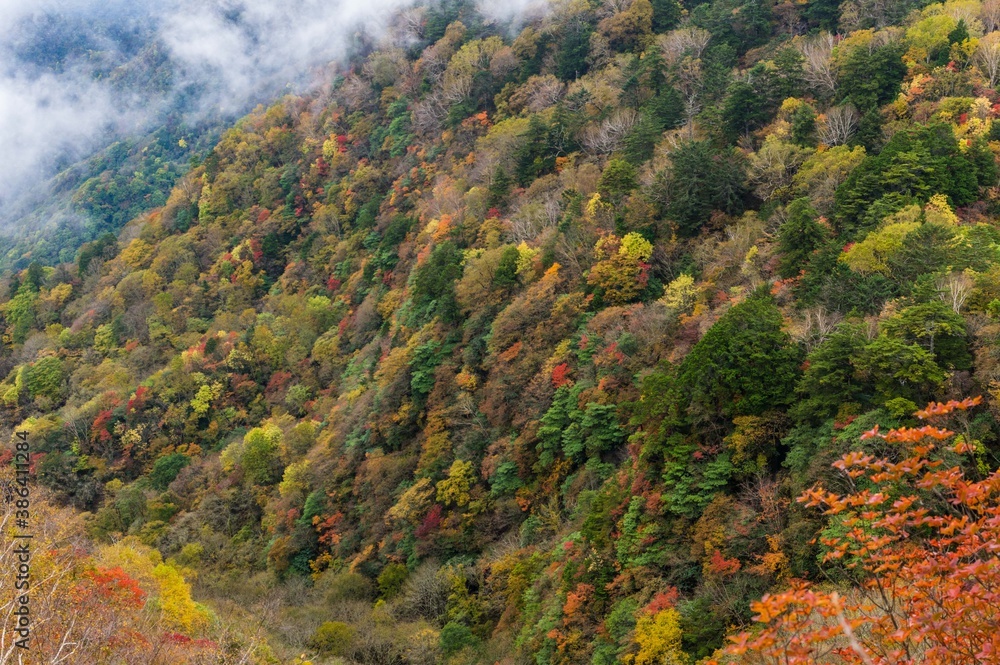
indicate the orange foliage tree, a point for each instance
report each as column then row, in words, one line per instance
column 917, row 540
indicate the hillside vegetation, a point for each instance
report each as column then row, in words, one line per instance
column 521, row 347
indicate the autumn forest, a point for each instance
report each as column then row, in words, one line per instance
column 655, row 332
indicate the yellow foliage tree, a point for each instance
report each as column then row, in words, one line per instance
column 680, row 294
column 179, row 610
column 455, row 488
column 937, row 211
column 413, row 502
column 872, row 255
column 621, row 270
column 295, row 482
column 659, row 640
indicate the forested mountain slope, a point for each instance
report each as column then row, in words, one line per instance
column 520, row 347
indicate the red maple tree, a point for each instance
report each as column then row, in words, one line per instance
column 918, row 540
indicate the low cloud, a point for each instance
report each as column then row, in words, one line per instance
column 46, row 118
column 62, row 94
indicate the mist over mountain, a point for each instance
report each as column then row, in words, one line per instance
column 78, row 75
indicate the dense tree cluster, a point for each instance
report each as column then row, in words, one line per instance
column 521, row 347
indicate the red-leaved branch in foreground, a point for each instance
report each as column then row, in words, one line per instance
column 916, row 543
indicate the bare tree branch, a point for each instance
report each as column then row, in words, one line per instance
column 840, row 123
